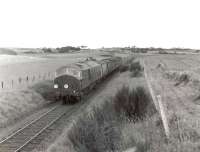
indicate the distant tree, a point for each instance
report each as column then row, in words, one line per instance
column 47, row 50
column 83, row 46
column 67, row 49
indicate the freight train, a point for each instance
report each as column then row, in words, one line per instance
column 75, row 80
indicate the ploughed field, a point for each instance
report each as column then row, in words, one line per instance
column 177, row 79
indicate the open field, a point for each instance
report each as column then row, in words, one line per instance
column 176, row 79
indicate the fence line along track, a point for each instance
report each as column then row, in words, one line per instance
column 21, row 138
column 157, row 100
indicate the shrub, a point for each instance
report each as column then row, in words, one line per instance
column 101, row 130
column 183, row 78
column 123, row 68
column 67, row 49
column 133, row 103
column 46, row 90
column 162, row 52
column 136, row 69
column 47, row 50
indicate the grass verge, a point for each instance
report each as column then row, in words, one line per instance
column 102, row 129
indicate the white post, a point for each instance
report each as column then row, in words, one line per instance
column 163, row 116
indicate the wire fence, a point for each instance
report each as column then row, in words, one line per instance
column 25, row 81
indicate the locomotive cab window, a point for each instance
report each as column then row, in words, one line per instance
column 73, row 72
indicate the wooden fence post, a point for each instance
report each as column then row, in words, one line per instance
column 20, row 80
column 12, row 83
column 163, row 115
column 44, row 76
column 2, row 84
column 33, row 78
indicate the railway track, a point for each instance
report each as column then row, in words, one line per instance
column 26, row 138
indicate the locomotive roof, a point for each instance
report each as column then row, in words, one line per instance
column 81, row 65
column 88, row 63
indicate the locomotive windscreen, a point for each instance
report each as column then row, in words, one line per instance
column 60, row 72
column 68, row 71
column 73, row 72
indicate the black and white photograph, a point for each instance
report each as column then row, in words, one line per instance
column 99, row 76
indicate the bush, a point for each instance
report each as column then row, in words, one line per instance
column 123, row 68
column 136, row 69
column 46, row 90
column 162, row 52
column 47, row 50
column 97, row 132
column 133, row 103
column 183, row 78
column 101, row 130
column 67, row 49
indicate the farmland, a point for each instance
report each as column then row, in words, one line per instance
column 20, row 98
column 175, row 77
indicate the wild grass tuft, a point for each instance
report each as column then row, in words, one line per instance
column 123, row 68
column 183, row 78
column 101, row 129
column 133, row 103
column 46, row 90
column 136, row 69
column 96, row 132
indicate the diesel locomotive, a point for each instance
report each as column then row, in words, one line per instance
column 74, row 80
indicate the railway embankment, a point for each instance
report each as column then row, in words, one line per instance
column 122, row 116
column 17, row 106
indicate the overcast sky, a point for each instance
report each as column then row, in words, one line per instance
column 97, row 23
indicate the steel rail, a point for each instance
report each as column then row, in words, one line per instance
column 18, row 139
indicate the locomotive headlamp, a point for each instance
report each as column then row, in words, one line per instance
column 66, row 86
column 55, row 86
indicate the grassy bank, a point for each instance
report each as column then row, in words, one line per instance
column 15, row 105
column 112, row 126
column 128, row 120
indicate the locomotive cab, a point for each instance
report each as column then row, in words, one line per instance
column 67, row 84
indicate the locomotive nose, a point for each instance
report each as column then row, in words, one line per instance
column 67, row 85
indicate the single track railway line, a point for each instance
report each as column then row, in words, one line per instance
column 27, row 137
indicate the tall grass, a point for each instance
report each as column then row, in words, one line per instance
column 96, row 132
column 124, row 68
column 100, row 130
column 46, row 90
column 133, row 103
column 103, row 129
column 184, row 78
column 136, row 69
